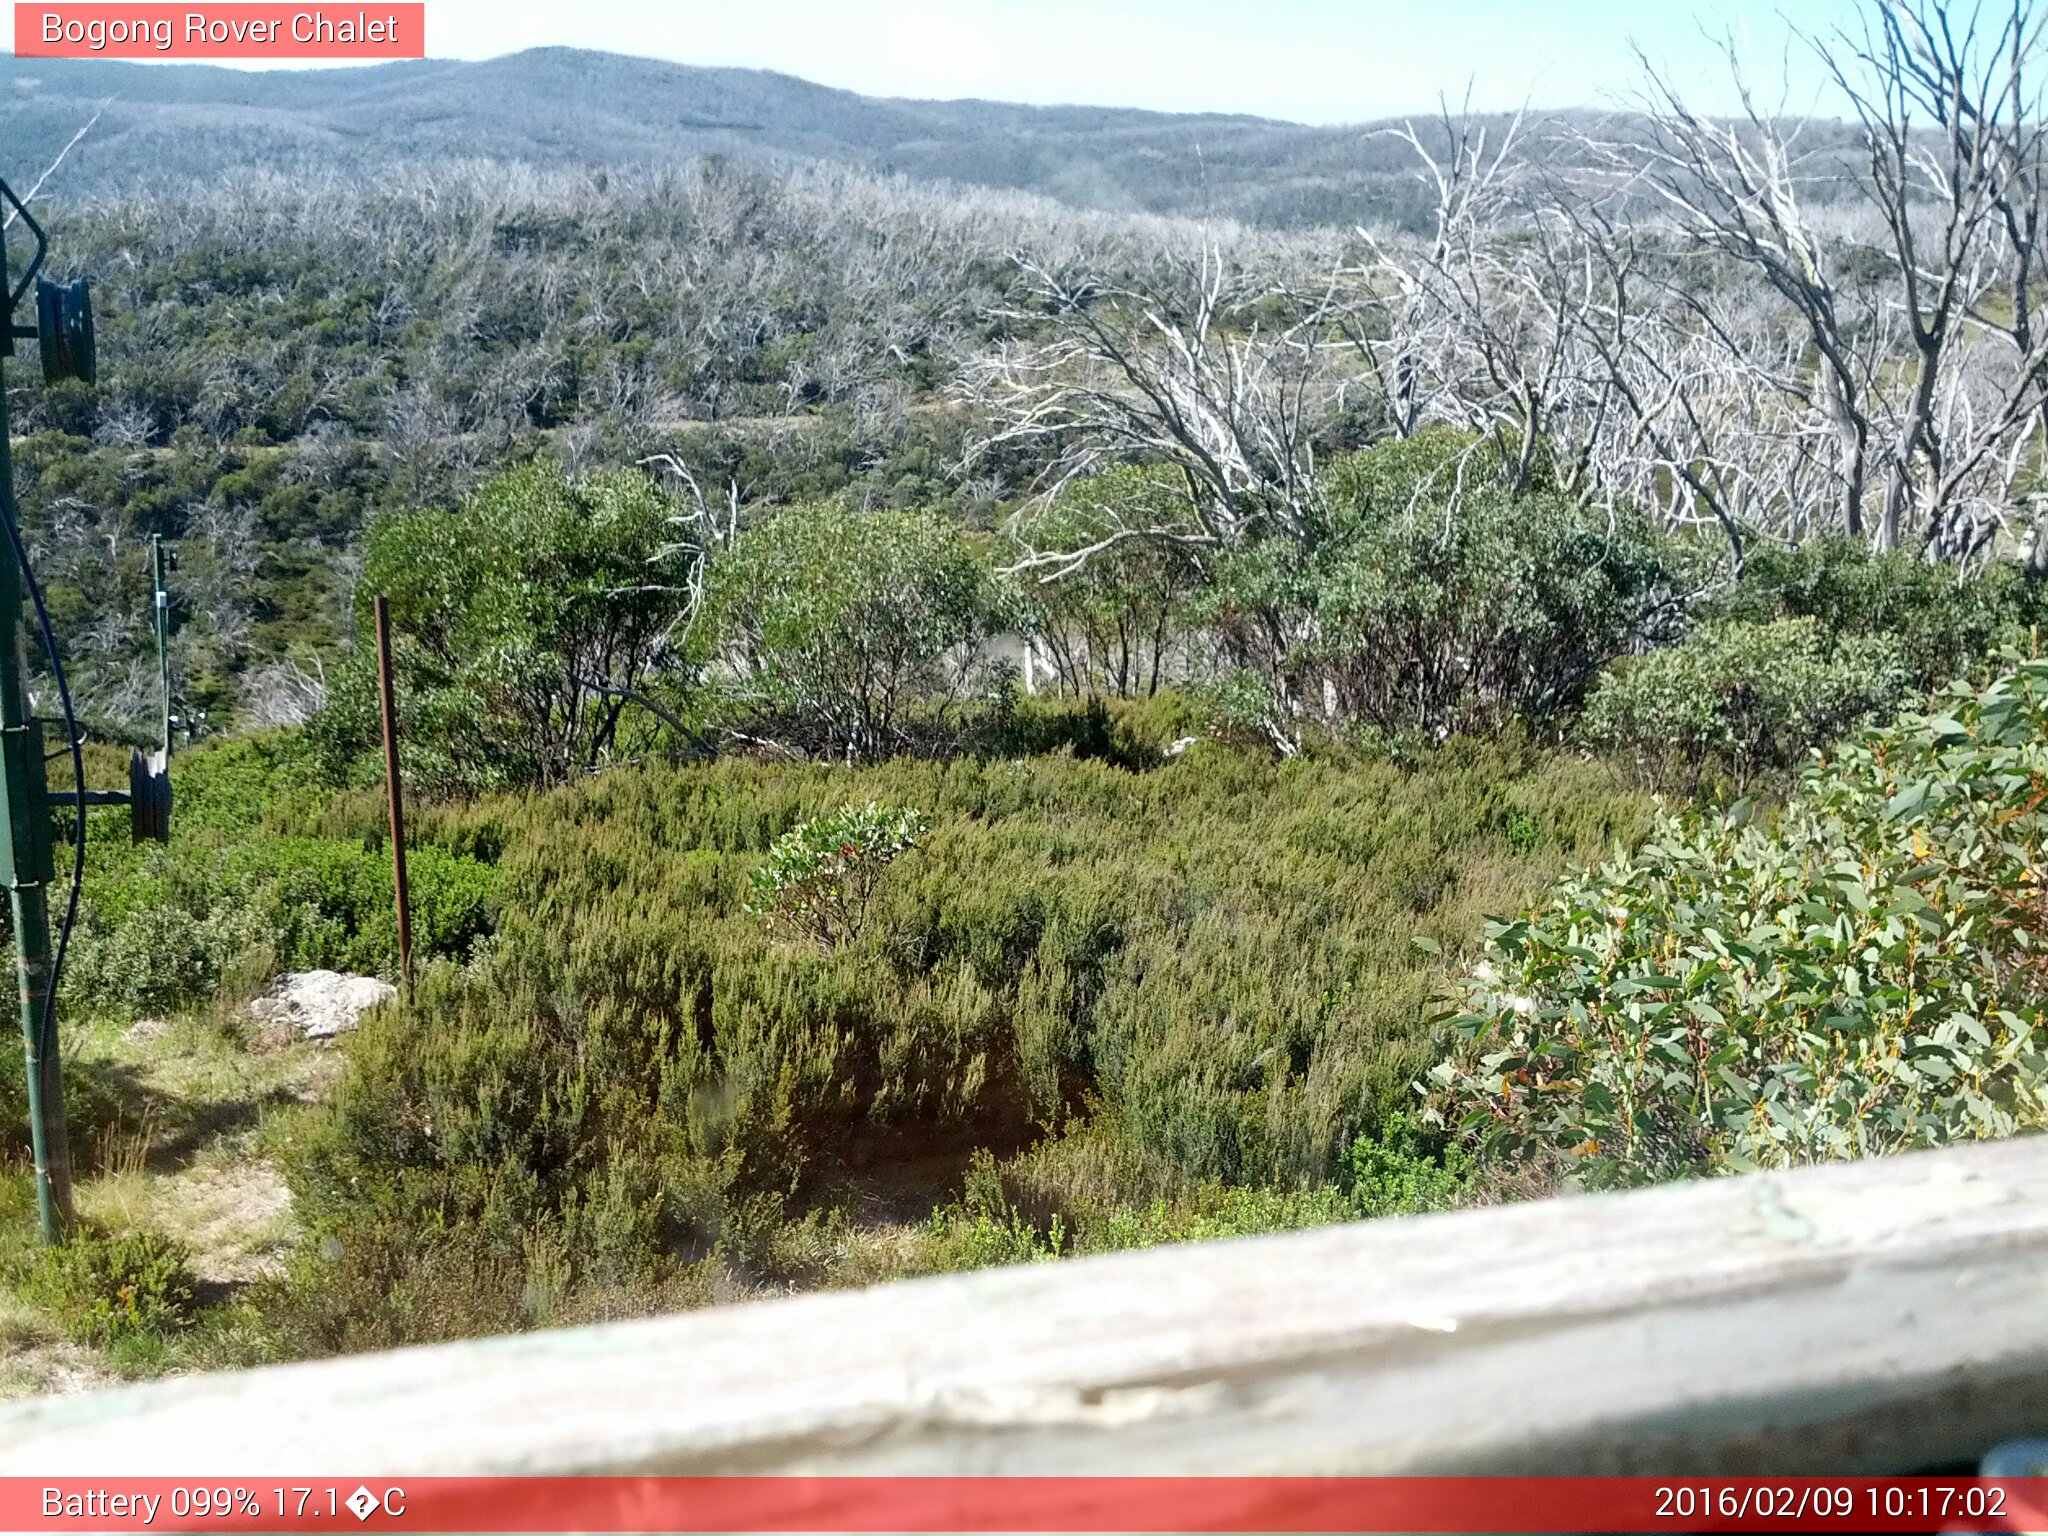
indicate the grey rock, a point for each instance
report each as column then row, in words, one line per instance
column 319, row 1005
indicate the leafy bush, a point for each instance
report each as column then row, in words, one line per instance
column 323, row 902
column 163, row 936
column 525, row 626
column 985, row 1228
column 820, row 876
column 158, row 956
column 162, row 924
column 838, row 621
column 1862, row 975
column 1745, row 698
column 1435, row 597
column 104, row 1289
column 1403, row 1168
column 1945, row 621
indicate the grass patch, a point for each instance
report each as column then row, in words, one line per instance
column 182, row 1208
column 108, row 1288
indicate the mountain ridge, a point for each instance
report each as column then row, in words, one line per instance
column 562, row 106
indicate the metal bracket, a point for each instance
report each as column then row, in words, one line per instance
column 148, row 797
column 35, row 264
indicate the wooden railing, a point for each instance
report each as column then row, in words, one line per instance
column 1881, row 1316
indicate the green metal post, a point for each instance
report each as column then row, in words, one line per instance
column 28, row 869
column 163, row 634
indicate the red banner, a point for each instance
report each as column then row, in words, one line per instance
column 932, row 1504
column 235, row 31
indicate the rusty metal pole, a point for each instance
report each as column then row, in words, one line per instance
column 399, row 890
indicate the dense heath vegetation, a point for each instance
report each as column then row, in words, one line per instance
column 868, row 964
column 947, row 730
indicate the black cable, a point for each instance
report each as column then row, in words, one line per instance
column 35, row 592
column 9, row 514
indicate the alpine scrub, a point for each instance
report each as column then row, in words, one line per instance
column 1864, row 975
column 1160, row 1004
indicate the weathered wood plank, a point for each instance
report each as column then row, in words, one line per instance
column 1887, row 1315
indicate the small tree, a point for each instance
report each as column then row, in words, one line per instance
column 836, row 620
column 1112, row 621
column 1436, row 597
column 820, row 876
column 527, row 626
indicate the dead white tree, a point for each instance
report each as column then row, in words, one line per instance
column 1920, row 351
column 1952, row 125
column 1485, row 324
column 1207, row 364
column 1734, row 190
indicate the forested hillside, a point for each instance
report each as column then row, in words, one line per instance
column 566, row 108
column 282, row 359
column 573, row 109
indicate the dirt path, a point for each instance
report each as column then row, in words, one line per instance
column 186, row 1113
column 35, row 1359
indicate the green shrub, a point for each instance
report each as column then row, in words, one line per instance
column 1744, row 698
column 1399, row 1168
column 247, row 873
column 987, row 1226
column 1946, row 622
column 325, row 903
column 1860, row 975
column 525, row 626
column 1402, row 1168
column 105, row 1289
column 820, row 876
column 1521, row 831
column 1208, row 962
column 389, row 1283
column 237, row 784
column 1435, row 597
column 840, row 622
column 160, row 934
column 157, row 957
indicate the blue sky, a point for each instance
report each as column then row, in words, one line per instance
column 1323, row 61
column 1317, row 61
